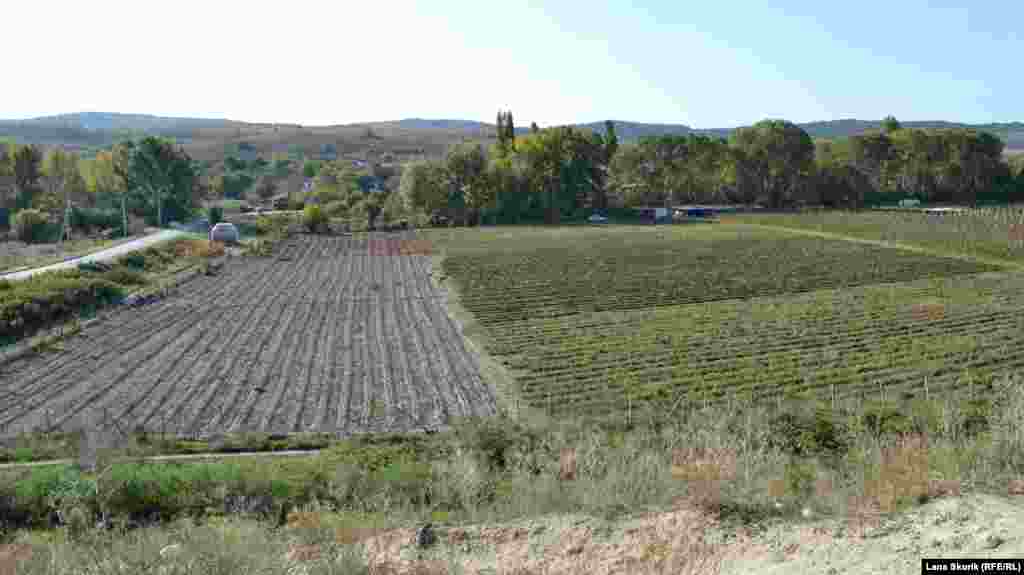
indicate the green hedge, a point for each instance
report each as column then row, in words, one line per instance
column 29, row 305
column 95, row 219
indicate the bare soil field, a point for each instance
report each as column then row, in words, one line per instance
column 330, row 334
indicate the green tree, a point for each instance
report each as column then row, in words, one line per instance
column 503, row 143
column 778, row 156
column 510, row 127
column 545, row 155
column 466, row 167
column 424, row 186
column 27, row 171
column 7, row 148
column 311, row 168
column 873, row 154
column 166, row 175
column 890, row 124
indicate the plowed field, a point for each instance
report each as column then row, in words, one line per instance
column 329, row 335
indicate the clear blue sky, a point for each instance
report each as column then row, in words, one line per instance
column 703, row 63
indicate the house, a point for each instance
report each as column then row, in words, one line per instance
column 307, row 185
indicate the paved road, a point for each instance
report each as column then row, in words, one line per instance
column 102, row 256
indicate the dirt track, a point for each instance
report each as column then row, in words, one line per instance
column 334, row 334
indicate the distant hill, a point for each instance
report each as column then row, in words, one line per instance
column 1012, row 133
column 106, row 121
column 431, row 136
column 103, row 128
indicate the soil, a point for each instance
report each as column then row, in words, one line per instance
column 329, row 334
column 687, row 539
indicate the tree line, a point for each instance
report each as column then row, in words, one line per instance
column 150, row 178
column 563, row 172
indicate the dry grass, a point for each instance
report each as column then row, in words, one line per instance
column 196, row 248
column 672, row 489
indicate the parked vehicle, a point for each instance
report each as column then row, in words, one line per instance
column 224, row 232
column 597, row 219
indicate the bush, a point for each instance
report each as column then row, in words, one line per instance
column 124, row 276
column 31, row 226
column 94, row 219
column 336, row 209
column 215, row 215
column 30, row 305
column 135, row 260
column 314, row 218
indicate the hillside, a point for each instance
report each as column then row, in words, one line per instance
column 414, row 137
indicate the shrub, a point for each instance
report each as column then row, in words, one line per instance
column 807, row 432
column 135, row 260
column 31, row 226
column 40, row 301
column 216, row 215
column 336, row 209
column 93, row 219
column 125, row 277
column 313, row 218
column 296, row 202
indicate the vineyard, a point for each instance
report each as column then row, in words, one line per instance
column 614, row 316
column 990, row 233
column 635, row 269
column 329, row 334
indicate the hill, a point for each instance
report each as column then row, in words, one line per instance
column 413, row 137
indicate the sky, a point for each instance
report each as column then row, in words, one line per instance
column 706, row 64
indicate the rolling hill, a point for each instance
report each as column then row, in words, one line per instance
column 207, row 138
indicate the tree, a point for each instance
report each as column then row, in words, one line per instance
column 466, row 166
column 545, row 156
column 873, row 155
column 890, row 124
column 311, row 168
column 499, row 127
column 778, row 156
column 7, row 148
column 510, row 128
column 27, row 163
column 64, row 178
column 265, row 187
column 167, row 175
column 424, row 186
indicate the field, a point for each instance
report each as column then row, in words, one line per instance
column 985, row 233
column 329, row 334
column 352, row 334
column 593, row 320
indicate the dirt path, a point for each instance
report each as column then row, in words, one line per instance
column 105, row 255
column 310, row 339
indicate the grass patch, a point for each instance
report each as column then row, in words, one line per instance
column 746, row 461
column 28, row 306
column 37, row 256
